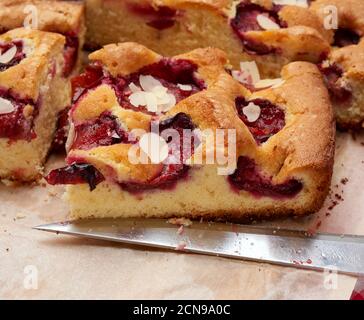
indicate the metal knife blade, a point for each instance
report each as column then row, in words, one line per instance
column 341, row 253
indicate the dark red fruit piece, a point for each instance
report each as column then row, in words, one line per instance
column 165, row 181
column 248, row 177
column 170, row 72
column 60, row 136
column 15, row 125
column 19, row 56
column 172, row 172
column 148, row 10
column 270, row 122
column 332, row 75
column 70, row 53
column 345, row 37
column 90, row 78
column 160, row 18
column 76, row 174
column 178, row 122
column 174, row 71
column 103, row 131
column 246, row 17
column 252, row 46
column 183, row 124
column 161, row 24
column 246, row 20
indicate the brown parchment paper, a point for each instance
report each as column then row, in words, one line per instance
column 69, row 268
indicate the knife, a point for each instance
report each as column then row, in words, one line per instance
column 341, row 253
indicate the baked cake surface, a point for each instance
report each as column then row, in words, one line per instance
column 260, row 30
column 344, row 75
column 343, row 68
column 33, row 90
column 64, row 17
column 283, row 137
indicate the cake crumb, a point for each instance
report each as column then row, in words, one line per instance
column 20, row 216
column 181, row 246
column 52, row 193
column 180, row 222
column 28, row 111
column 180, row 230
column 338, row 197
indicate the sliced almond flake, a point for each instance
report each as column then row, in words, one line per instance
column 134, row 88
column 160, row 91
column 155, row 96
column 71, row 137
column 151, row 101
column 299, row 3
column 269, row 83
column 165, row 99
column 154, row 146
column 8, row 55
column 115, row 135
column 278, row 83
column 148, row 82
column 6, row 106
column 184, row 87
column 267, row 23
column 242, row 77
column 167, row 106
column 137, row 99
column 252, row 112
column 251, row 68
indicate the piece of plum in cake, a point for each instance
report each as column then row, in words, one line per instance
column 33, row 89
column 265, row 31
column 155, row 136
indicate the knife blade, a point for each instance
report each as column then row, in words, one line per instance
column 341, row 253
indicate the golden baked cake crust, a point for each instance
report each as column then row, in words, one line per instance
column 344, row 74
column 171, row 27
column 343, row 68
column 33, row 90
column 350, row 13
column 35, row 66
column 53, row 16
column 64, row 17
column 279, row 169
